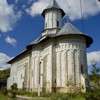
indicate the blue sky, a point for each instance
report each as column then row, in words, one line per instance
column 21, row 23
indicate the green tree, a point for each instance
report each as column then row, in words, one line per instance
column 95, row 76
column 4, row 74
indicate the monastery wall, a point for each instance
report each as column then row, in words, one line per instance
column 17, row 72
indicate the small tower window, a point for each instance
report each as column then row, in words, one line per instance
column 57, row 23
column 21, row 76
column 46, row 25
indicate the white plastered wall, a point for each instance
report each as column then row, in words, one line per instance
column 17, row 73
column 69, row 50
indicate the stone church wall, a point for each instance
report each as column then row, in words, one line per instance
column 70, row 57
column 42, row 60
column 17, row 72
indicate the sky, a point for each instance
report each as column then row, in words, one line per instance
column 21, row 23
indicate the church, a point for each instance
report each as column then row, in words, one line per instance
column 55, row 60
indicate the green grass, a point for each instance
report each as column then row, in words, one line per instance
column 53, row 97
column 3, row 97
column 77, row 98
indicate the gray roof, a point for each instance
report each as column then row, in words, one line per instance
column 53, row 4
column 36, row 41
column 39, row 39
column 68, row 28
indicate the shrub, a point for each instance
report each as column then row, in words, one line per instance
column 64, row 97
column 4, row 91
column 11, row 94
column 1, row 88
column 93, row 95
column 14, row 86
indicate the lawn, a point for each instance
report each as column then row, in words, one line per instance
column 3, row 97
column 77, row 98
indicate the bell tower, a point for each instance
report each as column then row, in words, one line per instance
column 53, row 18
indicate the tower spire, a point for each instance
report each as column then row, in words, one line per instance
column 53, row 5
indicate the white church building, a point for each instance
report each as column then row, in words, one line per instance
column 54, row 60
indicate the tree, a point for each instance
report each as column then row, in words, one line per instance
column 95, row 75
column 4, row 74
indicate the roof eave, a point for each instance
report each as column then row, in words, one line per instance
column 13, row 59
column 89, row 39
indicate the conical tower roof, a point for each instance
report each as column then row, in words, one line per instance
column 68, row 28
column 53, row 5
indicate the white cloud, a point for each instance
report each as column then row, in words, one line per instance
column 3, row 61
column 16, row 1
column 71, row 7
column 11, row 41
column 8, row 17
column 93, row 57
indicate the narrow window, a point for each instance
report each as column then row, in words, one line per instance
column 57, row 23
column 21, row 76
column 23, row 85
column 46, row 25
column 82, row 69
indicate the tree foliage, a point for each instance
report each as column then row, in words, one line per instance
column 4, row 74
column 14, row 86
column 95, row 76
